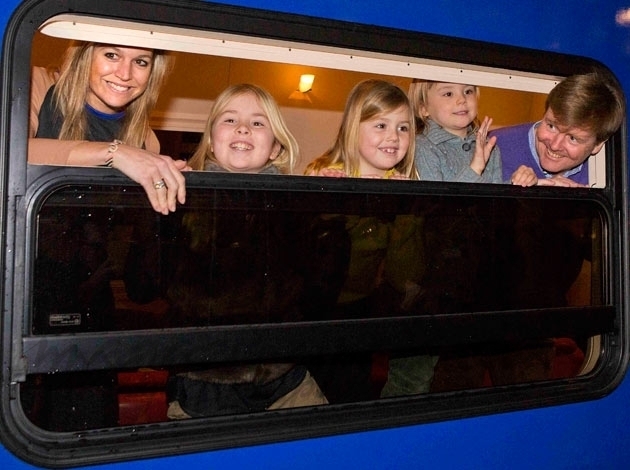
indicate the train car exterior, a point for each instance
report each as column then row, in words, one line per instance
column 570, row 422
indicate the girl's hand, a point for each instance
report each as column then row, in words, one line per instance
column 398, row 176
column 332, row 173
column 524, row 176
column 483, row 147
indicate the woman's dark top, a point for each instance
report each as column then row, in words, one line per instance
column 102, row 127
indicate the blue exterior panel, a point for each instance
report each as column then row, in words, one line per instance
column 591, row 434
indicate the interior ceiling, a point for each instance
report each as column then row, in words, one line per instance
column 203, row 77
column 197, row 79
column 211, row 74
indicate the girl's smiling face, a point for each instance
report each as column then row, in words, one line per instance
column 242, row 138
column 383, row 142
column 118, row 75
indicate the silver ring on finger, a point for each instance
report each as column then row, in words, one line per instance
column 159, row 185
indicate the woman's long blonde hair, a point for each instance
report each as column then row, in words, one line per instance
column 367, row 99
column 289, row 149
column 71, row 90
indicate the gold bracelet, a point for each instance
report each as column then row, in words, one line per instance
column 113, row 147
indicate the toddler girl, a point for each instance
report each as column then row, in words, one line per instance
column 449, row 145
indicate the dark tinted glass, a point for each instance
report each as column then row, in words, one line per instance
column 106, row 261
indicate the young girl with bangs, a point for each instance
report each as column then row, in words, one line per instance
column 386, row 255
column 245, row 133
column 239, row 267
column 375, row 139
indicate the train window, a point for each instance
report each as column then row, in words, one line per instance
column 277, row 65
column 303, row 306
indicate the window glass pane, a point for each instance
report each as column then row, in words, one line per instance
column 239, row 256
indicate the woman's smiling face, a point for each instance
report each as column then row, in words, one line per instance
column 118, row 75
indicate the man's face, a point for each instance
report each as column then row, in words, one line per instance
column 562, row 148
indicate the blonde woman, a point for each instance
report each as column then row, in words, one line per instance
column 95, row 112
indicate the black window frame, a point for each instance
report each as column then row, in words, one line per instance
column 24, row 192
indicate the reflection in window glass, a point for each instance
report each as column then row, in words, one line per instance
column 243, row 257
